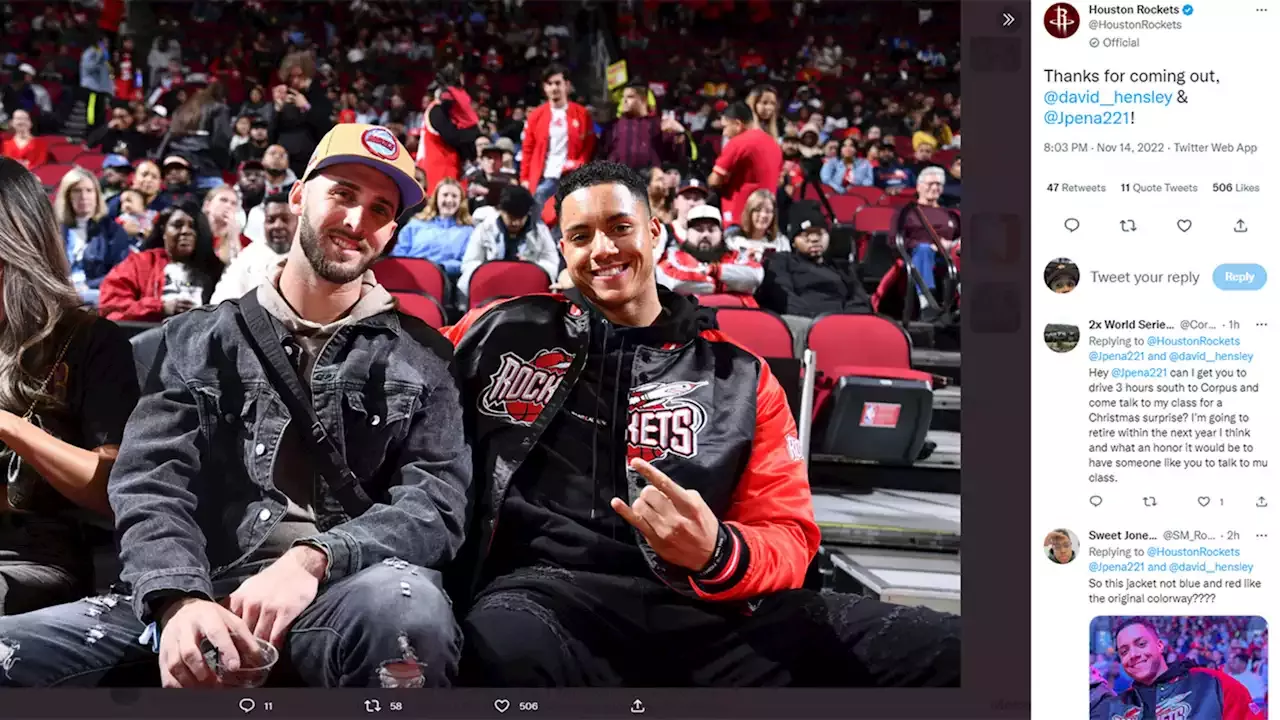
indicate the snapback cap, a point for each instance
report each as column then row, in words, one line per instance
column 704, row 212
column 372, row 146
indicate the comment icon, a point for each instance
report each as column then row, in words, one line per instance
column 247, row 705
column 1095, row 500
column 1071, row 224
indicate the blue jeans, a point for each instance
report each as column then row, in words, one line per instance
column 922, row 258
column 353, row 628
column 545, row 191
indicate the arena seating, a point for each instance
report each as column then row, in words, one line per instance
column 506, row 278
column 421, row 306
column 413, row 275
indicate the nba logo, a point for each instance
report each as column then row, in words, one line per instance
column 880, row 415
column 1061, row 20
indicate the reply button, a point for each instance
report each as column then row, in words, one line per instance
column 1240, row 276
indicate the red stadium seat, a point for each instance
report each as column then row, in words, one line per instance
column 759, row 331
column 65, row 153
column 51, row 175
column 943, row 158
column 91, row 161
column 730, row 300
column 845, row 206
column 422, row 306
column 498, row 279
column 871, row 195
column 412, row 275
column 869, row 405
column 874, row 219
column 894, row 202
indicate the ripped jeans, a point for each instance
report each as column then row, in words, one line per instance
column 361, row 631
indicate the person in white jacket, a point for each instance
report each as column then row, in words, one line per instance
column 255, row 263
column 515, row 233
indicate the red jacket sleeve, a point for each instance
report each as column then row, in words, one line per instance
column 1236, row 701
column 531, row 151
column 771, row 520
column 123, row 294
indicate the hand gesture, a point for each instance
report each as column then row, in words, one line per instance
column 188, row 622
column 175, row 304
column 279, row 94
column 671, row 125
column 270, row 601
column 131, row 226
column 676, row 522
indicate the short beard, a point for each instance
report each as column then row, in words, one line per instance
column 327, row 270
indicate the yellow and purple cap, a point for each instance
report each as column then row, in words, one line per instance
column 372, row 146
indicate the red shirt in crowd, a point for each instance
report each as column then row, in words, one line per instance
column 32, row 155
column 750, row 161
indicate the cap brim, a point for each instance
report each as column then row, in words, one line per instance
column 411, row 192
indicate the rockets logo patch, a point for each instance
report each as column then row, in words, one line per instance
column 520, row 389
column 662, row 420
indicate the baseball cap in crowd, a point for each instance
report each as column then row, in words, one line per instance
column 502, row 146
column 805, row 216
column 116, row 162
column 252, row 165
column 695, row 185
column 372, row 146
column 175, row 161
column 259, row 122
column 160, row 110
column 26, row 69
column 705, row 212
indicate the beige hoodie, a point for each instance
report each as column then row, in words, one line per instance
column 301, row 487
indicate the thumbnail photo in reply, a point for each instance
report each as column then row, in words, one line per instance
column 522, row 344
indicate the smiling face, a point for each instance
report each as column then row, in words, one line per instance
column 1141, row 653
column 608, row 246
column 347, row 217
column 180, row 235
column 448, row 199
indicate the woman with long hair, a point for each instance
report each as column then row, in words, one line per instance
column 201, row 131
column 302, row 110
column 846, row 169
column 660, row 195
column 758, row 234
column 175, row 271
column 441, row 231
column 67, row 386
column 93, row 241
column 763, row 101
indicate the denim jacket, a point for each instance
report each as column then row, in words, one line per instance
column 192, row 490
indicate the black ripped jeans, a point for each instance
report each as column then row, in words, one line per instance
column 354, row 634
column 544, row 627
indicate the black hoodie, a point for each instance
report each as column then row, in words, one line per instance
column 557, row 509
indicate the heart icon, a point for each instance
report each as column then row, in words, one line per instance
column 1184, row 225
column 1204, row 502
column 501, row 705
column 1096, row 500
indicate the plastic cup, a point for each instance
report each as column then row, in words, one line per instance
column 254, row 668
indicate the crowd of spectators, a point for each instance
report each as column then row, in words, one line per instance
column 1237, row 646
column 496, row 101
